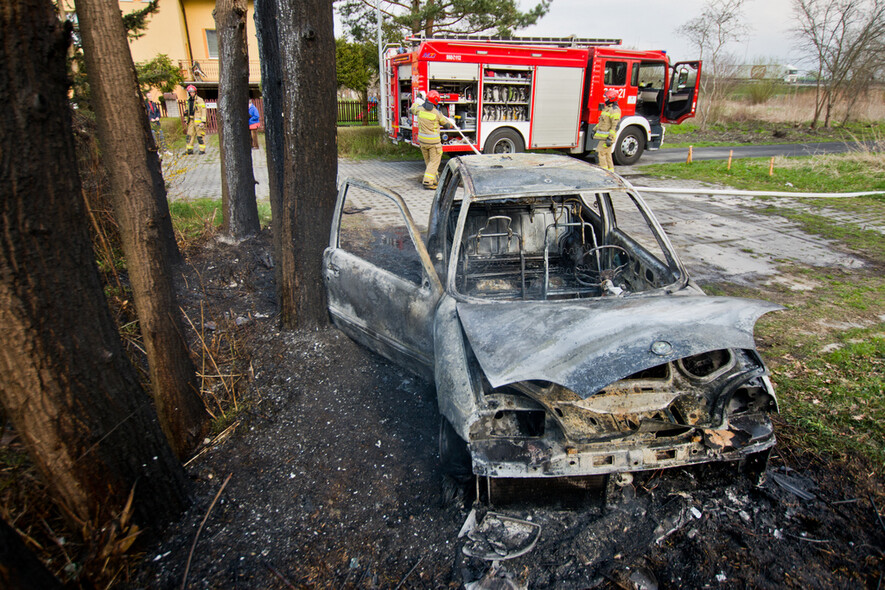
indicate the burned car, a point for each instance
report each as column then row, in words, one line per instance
column 560, row 328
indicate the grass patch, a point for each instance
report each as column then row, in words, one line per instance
column 835, row 401
column 854, row 172
column 372, row 142
column 725, row 133
column 200, row 218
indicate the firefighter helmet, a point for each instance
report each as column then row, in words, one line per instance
column 433, row 97
column 191, row 88
column 611, row 95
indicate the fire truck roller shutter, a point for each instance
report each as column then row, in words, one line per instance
column 633, row 134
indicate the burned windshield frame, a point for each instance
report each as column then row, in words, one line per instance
column 597, row 203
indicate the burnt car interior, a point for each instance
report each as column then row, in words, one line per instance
column 556, row 248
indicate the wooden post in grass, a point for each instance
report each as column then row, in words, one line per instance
column 689, row 158
column 771, row 167
column 730, row 154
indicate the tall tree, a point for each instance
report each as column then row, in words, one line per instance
column 355, row 66
column 65, row 381
column 240, row 210
column 138, row 194
column 305, row 158
column 844, row 39
column 720, row 23
column 432, row 17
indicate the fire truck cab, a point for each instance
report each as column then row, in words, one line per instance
column 538, row 93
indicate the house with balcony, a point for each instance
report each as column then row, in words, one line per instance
column 185, row 31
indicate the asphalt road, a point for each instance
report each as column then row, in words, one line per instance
column 672, row 155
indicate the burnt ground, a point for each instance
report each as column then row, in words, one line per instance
column 334, row 482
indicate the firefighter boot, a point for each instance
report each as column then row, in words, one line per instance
column 190, row 145
column 201, row 145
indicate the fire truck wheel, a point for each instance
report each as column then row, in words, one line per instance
column 504, row 141
column 630, row 147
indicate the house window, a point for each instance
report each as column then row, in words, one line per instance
column 212, row 43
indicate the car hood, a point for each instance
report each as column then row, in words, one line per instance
column 586, row 345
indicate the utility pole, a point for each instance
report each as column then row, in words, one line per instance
column 382, row 77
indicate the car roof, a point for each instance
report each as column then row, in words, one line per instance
column 518, row 175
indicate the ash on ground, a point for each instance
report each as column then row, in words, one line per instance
column 335, row 482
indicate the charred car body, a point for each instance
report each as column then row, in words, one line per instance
column 562, row 332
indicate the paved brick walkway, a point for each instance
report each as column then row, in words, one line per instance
column 717, row 237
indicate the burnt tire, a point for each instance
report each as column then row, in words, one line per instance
column 630, row 146
column 504, row 141
column 454, row 457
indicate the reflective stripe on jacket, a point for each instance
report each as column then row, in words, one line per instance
column 428, row 124
column 196, row 110
column 608, row 122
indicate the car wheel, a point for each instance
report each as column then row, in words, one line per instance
column 504, row 141
column 630, row 147
column 454, row 458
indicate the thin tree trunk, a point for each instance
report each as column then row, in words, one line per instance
column 138, row 194
column 304, row 29
column 65, row 381
column 267, row 14
column 19, row 567
column 237, row 178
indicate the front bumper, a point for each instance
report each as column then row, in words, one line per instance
column 542, row 457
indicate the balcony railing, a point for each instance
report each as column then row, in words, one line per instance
column 206, row 70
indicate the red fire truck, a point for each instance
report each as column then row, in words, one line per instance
column 538, row 93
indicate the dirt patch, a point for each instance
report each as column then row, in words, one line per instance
column 335, row 483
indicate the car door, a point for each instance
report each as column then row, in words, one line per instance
column 381, row 285
column 681, row 100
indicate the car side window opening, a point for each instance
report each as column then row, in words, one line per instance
column 651, row 263
column 374, row 228
column 615, row 73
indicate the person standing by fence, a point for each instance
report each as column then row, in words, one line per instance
column 195, row 115
column 254, row 123
column 153, row 111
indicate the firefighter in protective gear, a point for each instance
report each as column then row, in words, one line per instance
column 195, row 116
column 607, row 129
column 429, row 120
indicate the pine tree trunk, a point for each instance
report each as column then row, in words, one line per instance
column 65, row 381
column 138, row 194
column 301, row 31
column 237, row 178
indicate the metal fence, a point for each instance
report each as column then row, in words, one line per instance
column 354, row 111
column 349, row 111
column 212, row 114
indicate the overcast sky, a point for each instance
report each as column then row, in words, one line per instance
column 652, row 24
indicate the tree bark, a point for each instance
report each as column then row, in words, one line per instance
column 266, row 18
column 237, row 178
column 301, row 31
column 138, row 195
column 20, row 569
column 65, row 381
